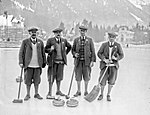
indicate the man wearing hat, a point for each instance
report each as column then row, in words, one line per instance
column 32, row 58
column 110, row 54
column 84, row 53
column 57, row 49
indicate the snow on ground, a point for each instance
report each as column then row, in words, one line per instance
column 130, row 95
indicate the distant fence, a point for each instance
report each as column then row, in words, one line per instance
column 12, row 33
column 10, row 44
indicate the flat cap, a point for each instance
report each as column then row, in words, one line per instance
column 57, row 30
column 83, row 28
column 33, row 29
column 112, row 34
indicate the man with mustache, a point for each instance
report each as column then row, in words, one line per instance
column 32, row 58
column 57, row 49
column 84, row 52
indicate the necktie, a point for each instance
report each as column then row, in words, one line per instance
column 82, row 37
column 58, row 41
column 34, row 41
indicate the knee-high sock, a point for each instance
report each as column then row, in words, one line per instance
column 86, row 85
column 50, row 88
column 102, row 89
column 109, row 89
column 79, row 86
column 28, row 89
column 58, row 85
column 36, row 88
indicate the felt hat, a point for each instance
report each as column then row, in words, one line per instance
column 33, row 29
column 57, row 30
column 83, row 28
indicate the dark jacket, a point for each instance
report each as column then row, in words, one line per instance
column 89, row 50
column 25, row 53
column 65, row 48
column 104, row 53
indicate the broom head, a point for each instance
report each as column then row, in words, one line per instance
column 17, row 101
column 67, row 96
column 19, row 79
column 93, row 94
column 50, row 97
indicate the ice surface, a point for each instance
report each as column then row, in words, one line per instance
column 130, row 95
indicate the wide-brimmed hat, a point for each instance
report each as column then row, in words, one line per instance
column 57, row 30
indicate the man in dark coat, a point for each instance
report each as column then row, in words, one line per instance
column 110, row 53
column 57, row 49
column 32, row 58
column 84, row 53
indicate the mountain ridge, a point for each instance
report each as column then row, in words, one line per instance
column 49, row 13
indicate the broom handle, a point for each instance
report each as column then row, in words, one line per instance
column 71, row 81
column 20, row 82
column 72, row 76
column 51, row 80
column 103, row 74
column 107, row 66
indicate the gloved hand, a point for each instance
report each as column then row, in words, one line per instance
column 76, row 55
column 21, row 65
column 52, row 47
column 107, row 61
column 114, row 58
column 91, row 64
column 43, row 65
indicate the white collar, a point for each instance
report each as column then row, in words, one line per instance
column 57, row 38
column 110, row 43
column 82, row 37
column 33, row 39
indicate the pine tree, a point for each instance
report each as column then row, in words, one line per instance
column 90, row 29
column 62, row 26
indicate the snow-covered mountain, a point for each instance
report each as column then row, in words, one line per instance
column 49, row 13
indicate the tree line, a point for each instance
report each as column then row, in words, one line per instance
column 141, row 32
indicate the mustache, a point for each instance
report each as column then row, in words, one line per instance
column 58, row 36
column 33, row 35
